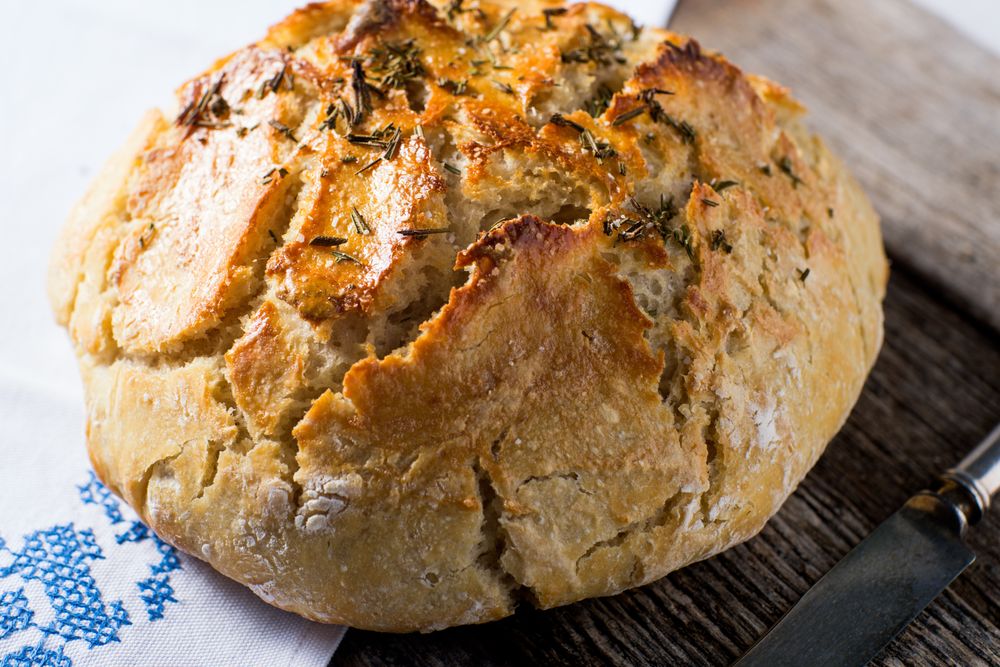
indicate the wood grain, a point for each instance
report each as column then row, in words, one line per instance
column 910, row 104
column 934, row 392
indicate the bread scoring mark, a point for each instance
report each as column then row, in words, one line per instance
column 495, row 541
column 369, row 18
column 211, row 466
column 539, row 479
column 667, row 513
column 140, row 500
column 396, row 197
column 201, row 208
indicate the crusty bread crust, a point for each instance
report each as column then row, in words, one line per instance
column 415, row 313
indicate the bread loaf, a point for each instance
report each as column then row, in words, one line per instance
column 408, row 313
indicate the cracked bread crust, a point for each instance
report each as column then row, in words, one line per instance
column 415, row 313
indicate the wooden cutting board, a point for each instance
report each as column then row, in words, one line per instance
column 911, row 105
column 914, row 108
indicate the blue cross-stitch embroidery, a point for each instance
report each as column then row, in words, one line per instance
column 59, row 559
column 14, row 612
column 94, row 493
column 169, row 561
column 137, row 532
column 36, row 656
column 155, row 591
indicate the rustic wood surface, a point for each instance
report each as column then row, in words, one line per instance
column 934, row 391
column 915, row 110
column 910, row 104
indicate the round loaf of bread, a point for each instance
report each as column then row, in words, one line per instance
column 408, row 313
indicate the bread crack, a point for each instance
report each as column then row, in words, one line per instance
column 142, row 496
column 211, row 467
column 570, row 475
column 495, row 540
column 658, row 519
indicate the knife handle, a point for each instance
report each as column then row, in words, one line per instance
column 978, row 476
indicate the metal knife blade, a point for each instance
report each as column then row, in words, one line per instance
column 878, row 588
column 870, row 595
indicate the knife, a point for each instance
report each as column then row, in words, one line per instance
column 883, row 583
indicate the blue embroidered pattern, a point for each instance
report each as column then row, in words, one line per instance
column 59, row 559
column 36, row 656
column 137, row 532
column 95, row 493
column 14, row 612
column 156, row 590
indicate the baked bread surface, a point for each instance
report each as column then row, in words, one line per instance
column 407, row 314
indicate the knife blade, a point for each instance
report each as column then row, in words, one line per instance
column 878, row 588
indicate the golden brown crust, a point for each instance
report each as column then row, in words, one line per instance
column 403, row 194
column 415, row 313
column 264, row 368
column 200, row 207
